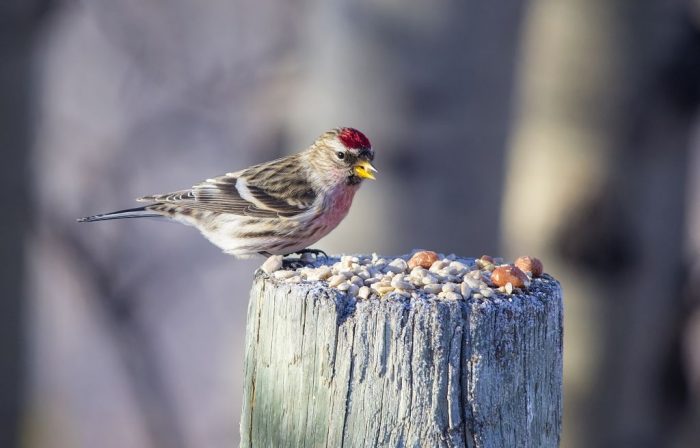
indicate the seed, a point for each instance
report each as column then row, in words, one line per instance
column 400, row 283
column 486, row 259
column 459, row 268
column 429, row 278
column 371, row 281
column 450, row 287
column 486, row 292
column 397, row 265
column 424, row 259
column 437, row 266
column 336, row 280
column 530, row 264
column 347, row 273
column 465, row 289
column 418, row 272
column 432, row 288
column 377, row 285
column 343, row 286
column 356, row 280
column 472, row 282
column 508, row 273
column 452, row 295
column 272, row 264
column 321, row 273
column 382, row 290
column 349, row 259
column 284, row 274
column 509, row 288
column 363, row 292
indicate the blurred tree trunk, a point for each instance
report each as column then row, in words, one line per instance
column 19, row 26
column 610, row 109
column 644, row 391
column 431, row 85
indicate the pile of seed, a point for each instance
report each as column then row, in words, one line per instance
column 424, row 273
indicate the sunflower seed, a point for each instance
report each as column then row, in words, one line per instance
column 272, row 264
column 284, row 274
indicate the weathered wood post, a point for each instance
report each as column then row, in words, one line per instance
column 328, row 366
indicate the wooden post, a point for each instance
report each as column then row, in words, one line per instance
column 325, row 369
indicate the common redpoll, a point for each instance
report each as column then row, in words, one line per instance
column 274, row 208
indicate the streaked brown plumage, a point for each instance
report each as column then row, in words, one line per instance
column 277, row 207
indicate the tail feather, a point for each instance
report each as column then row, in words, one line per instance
column 138, row 212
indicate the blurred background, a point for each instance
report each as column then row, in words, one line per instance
column 563, row 129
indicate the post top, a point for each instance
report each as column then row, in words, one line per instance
column 422, row 275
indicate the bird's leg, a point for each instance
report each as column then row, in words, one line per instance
column 316, row 252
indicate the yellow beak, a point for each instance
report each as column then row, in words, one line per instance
column 364, row 170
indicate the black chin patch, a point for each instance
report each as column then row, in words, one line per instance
column 354, row 179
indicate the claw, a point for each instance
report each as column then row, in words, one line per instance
column 315, row 252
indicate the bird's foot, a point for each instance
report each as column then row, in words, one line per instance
column 306, row 257
column 314, row 252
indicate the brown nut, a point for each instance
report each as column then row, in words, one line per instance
column 485, row 262
column 505, row 274
column 424, row 259
column 530, row 264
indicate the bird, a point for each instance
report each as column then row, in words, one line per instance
column 279, row 207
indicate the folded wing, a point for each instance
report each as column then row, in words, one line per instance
column 253, row 192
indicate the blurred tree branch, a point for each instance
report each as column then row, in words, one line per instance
column 118, row 307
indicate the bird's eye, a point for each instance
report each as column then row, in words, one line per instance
column 340, row 155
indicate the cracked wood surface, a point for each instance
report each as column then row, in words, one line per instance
column 325, row 370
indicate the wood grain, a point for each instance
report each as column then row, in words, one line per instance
column 325, row 370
